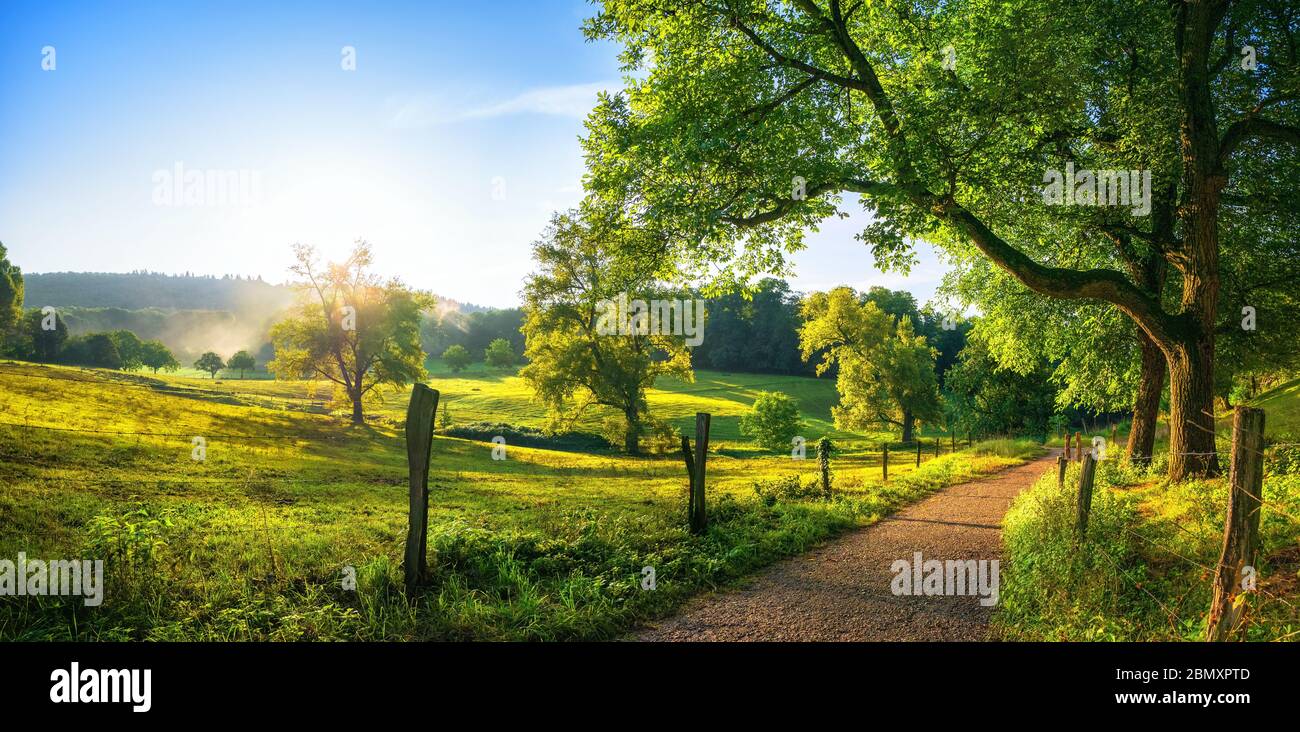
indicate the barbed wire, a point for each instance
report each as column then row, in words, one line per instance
column 1173, row 617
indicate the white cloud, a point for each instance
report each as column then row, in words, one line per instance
column 425, row 110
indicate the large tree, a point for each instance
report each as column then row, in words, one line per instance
column 11, row 293
column 575, row 360
column 351, row 328
column 752, row 117
column 886, row 373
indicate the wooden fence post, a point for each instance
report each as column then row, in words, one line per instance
column 690, row 475
column 1083, row 500
column 954, row 441
column 419, row 444
column 884, row 464
column 1061, row 462
column 700, row 520
column 1078, row 446
column 1241, row 529
column 918, row 451
column 937, row 444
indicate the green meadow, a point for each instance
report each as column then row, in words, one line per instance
column 292, row 526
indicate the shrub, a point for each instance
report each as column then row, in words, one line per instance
column 499, row 354
column 527, row 436
column 773, row 421
column 456, row 357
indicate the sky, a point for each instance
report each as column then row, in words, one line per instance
column 446, row 146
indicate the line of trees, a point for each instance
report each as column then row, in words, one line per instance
column 791, row 108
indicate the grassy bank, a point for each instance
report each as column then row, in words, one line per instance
column 1144, row 571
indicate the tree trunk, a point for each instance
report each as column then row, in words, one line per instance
column 1191, row 410
column 909, row 425
column 1190, row 353
column 632, row 434
column 1146, row 405
column 357, row 416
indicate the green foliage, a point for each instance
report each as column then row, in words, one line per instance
column 982, row 397
column 456, row 357
column 242, row 361
column 573, row 363
column 95, row 349
column 130, row 348
column 34, row 341
column 474, row 329
column 499, row 354
column 773, row 421
column 1144, row 571
column 211, row 363
column 885, row 372
column 825, row 448
column 522, row 436
column 11, row 293
column 154, row 355
column 754, row 331
column 350, row 328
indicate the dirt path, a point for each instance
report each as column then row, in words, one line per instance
column 841, row 590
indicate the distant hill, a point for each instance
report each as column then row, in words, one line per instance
column 139, row 290
column 189, row 313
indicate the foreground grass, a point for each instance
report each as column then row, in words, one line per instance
column 261, row 540
column 1144, row 571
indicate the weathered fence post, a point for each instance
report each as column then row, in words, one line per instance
column 1061, row 462
column 700, row 521
column 419, row 444
column 1078, row 446
column 954, row 441
column 918, row 451
column 1241, row 529
column 1083, row 501
column 884, row 464
column 937, row 443
column 690, row 475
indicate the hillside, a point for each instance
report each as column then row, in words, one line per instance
column 138, row 290
column 1281, row 405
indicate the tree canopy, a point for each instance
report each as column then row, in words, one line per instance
column 745, row 121
column 574, row 364
column 350, row 328
column 886, row 374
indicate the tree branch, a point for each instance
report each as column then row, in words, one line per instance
column 1244, row 129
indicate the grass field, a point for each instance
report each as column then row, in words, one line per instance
column 482, row 394
column 255, row 541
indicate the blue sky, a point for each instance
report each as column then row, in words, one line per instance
column 447, row 147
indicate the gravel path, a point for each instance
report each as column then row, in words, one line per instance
column 840, row 591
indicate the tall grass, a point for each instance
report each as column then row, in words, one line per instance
column 1143, row 573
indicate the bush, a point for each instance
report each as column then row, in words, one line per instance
column 527, row 436
column 456, row 357
column 773, row 421
column 789, row 488
column 499, row 354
